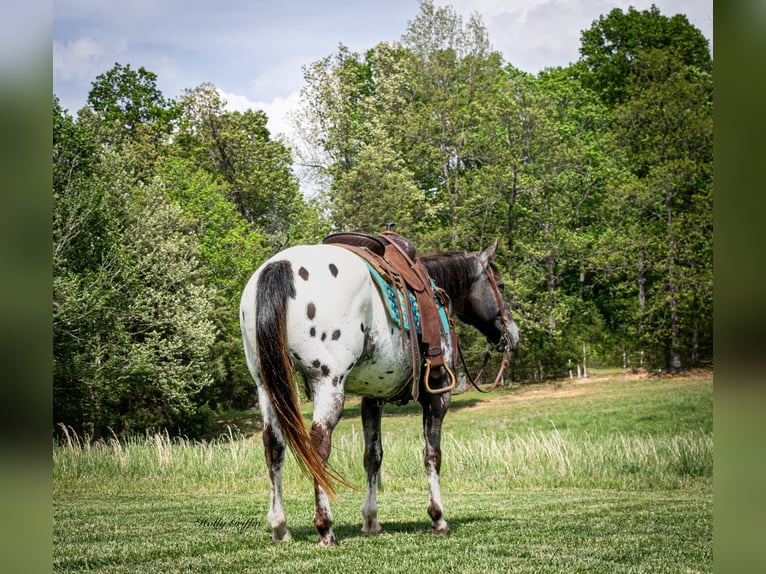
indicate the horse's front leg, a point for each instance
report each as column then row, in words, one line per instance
column 274, row 448
column 328, row 407
column 434, row 409
column 372, row 411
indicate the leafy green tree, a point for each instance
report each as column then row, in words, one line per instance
column 126, row 109
column 127, row 101
column 376, row 190
column 665, row 127
column 132, row 328
column 237, row 148
column 611, row 45
column 544, row 173
column 169, row 320
column 411, row 108
column 451, row 71
column 230, row 249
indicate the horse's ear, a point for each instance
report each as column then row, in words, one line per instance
column 488, row 254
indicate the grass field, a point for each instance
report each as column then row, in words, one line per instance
column 609, row 474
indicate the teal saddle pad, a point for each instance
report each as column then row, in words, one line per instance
column 393, row 295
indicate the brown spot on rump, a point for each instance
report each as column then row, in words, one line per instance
column 325, row 370
column 303, row 273
column 316, row 363
column 335, row 381
column 333, row 270
column 336, row 335
column 311, row 310
column 313, row 332
column 324, row 336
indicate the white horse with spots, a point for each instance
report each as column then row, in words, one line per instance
column 316, row 309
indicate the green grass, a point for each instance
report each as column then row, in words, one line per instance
column 611, row 475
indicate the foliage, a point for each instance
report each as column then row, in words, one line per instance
column 131, row 325
column 609, row 47
column 125, row 100
column 236, row 148
column 150, row 255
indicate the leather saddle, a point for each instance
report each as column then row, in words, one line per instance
column 394, row 257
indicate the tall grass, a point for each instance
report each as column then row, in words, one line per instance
column 533, row 459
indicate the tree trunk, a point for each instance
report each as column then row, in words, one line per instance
column 675, row 321
column 550, row 281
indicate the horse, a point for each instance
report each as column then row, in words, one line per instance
column 317, row 310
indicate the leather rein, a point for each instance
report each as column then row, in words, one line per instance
column 506, row 354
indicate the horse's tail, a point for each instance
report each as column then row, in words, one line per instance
column 275, row 286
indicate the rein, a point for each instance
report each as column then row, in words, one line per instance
column 475, row 380
column 506, row 354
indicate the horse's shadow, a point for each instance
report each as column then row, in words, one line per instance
column 351, row 530
column 354, row 408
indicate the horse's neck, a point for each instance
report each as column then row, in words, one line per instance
column 445, row 274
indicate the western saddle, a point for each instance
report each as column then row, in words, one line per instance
column 394, row 257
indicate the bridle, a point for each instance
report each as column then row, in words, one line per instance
column 506, row 353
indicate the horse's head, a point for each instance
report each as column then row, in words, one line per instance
column 475, row 287
column 484, row 306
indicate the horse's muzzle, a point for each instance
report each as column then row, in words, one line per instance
column 510, row 337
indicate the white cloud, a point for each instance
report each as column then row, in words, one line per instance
column 534, row 34
column 77, row 59
column 277, row 111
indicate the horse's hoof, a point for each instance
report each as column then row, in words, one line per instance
column 373, row 528
column 440, row 531
column 282, row 536
column 328, row 542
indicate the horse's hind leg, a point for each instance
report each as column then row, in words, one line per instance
column 328, row 407
column 274, row 448
column 373, row 455
column 434, row 410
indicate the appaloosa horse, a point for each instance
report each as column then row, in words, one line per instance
column 316, row 309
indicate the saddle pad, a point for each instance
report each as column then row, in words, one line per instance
column 390, row 295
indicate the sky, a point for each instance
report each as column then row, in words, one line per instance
column 253, row 51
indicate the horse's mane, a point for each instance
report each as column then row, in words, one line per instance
column 453, row 271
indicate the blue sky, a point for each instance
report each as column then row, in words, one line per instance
column 253, row 51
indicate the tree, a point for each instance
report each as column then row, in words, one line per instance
column 665, row 126
column 451, row 70
column 376, row 190
column 230, row 249
column 127, row 100
column 237, row 148
column 655, row 74
column 611, row 45
column 132, row 328
column 543, row 175
column 169, row 320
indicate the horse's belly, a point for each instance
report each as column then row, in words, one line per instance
column 382, row 376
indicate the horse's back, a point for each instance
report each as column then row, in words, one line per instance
column 331, row 307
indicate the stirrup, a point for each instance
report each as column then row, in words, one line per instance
column 438, row 391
